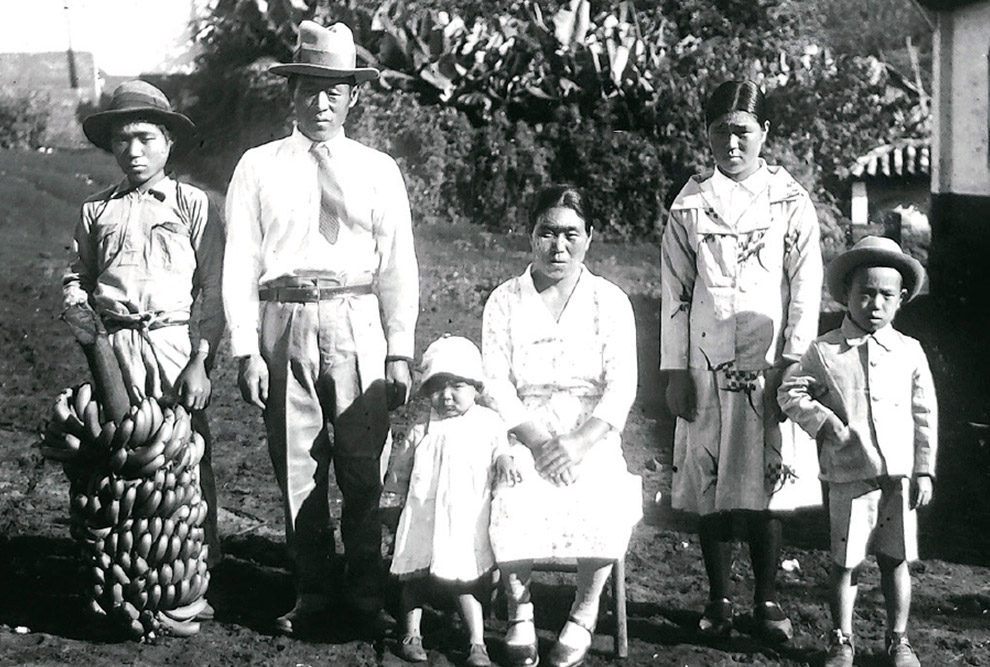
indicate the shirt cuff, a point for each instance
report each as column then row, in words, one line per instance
column 401, row 345
column 243, row 341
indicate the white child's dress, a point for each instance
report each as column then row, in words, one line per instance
column 449, row 464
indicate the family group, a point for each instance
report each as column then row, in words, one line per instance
column 313, row 272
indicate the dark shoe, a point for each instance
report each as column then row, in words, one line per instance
column 373, row 624
column 716, row 621
column 772, row 624
column 303, row 617
column 411, row 649
column 840, row 652
column 478, row 656
column 525, row 655
column 562, row 655
column 900, row 652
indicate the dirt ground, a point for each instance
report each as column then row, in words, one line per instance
column 41, row 605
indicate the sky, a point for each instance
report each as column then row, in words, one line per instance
column 126, row 37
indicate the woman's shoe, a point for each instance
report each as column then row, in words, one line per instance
column 772, row 624
column 562, row 655
column 716, row 621
column 411, row 649
column 566, row 655
column 522, row 655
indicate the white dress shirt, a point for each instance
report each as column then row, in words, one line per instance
column 273, row 212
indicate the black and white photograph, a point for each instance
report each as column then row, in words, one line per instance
column 494, row 332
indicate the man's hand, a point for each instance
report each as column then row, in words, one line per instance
column 507, row 472
column 681, row 394
column 252, row 379
column 921, row 491
column 192, row 387
column 397, row 381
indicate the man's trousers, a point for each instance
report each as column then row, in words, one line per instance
column 327, row 403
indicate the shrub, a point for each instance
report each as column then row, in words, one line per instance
column 23, row 120
column 430, row 144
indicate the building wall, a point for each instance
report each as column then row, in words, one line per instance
column 961, row 155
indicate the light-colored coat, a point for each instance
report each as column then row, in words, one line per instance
column 745, row 291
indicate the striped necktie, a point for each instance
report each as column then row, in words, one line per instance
column 332, row 209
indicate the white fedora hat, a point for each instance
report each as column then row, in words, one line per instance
column 325, row 52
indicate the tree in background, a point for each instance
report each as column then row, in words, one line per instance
column 498, row 97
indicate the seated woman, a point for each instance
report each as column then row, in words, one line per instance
column 559, row 347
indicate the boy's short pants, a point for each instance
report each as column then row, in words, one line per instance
column 872, row 516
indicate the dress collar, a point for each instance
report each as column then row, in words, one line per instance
column 333, row 144
column 755, row 183
column 855, row 335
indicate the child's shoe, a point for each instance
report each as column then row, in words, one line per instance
column 478, row 656
column 411, row 649
column 840, row 649
column 900, row 652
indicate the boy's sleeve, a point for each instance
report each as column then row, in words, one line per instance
column 924, row 410
column 79, row 279
column 802, row 382
column 208, row 239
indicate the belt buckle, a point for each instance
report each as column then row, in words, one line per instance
column 310, row 292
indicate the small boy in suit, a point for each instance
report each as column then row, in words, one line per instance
column 865, row 392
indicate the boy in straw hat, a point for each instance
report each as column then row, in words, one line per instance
column 446, row 467
column 321, row 291
column 865, row 392
column 145, row 249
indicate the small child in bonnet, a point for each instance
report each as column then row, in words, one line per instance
column 446, row 467
column 865, row 392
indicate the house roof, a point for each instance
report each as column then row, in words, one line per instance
column 904, row 159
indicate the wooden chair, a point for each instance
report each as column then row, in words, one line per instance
column 618, row 597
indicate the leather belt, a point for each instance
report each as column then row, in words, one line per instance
column 310, row 293
column 113, row 325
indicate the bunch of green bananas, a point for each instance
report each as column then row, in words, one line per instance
column 136, row 506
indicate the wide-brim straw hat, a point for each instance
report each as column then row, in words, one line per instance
column 874, row 251
column 139, row 99
column 325, row 52
column 450, row 357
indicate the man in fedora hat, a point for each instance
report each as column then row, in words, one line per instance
column 321, row 291
column 865, row 392
column 145, row 249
